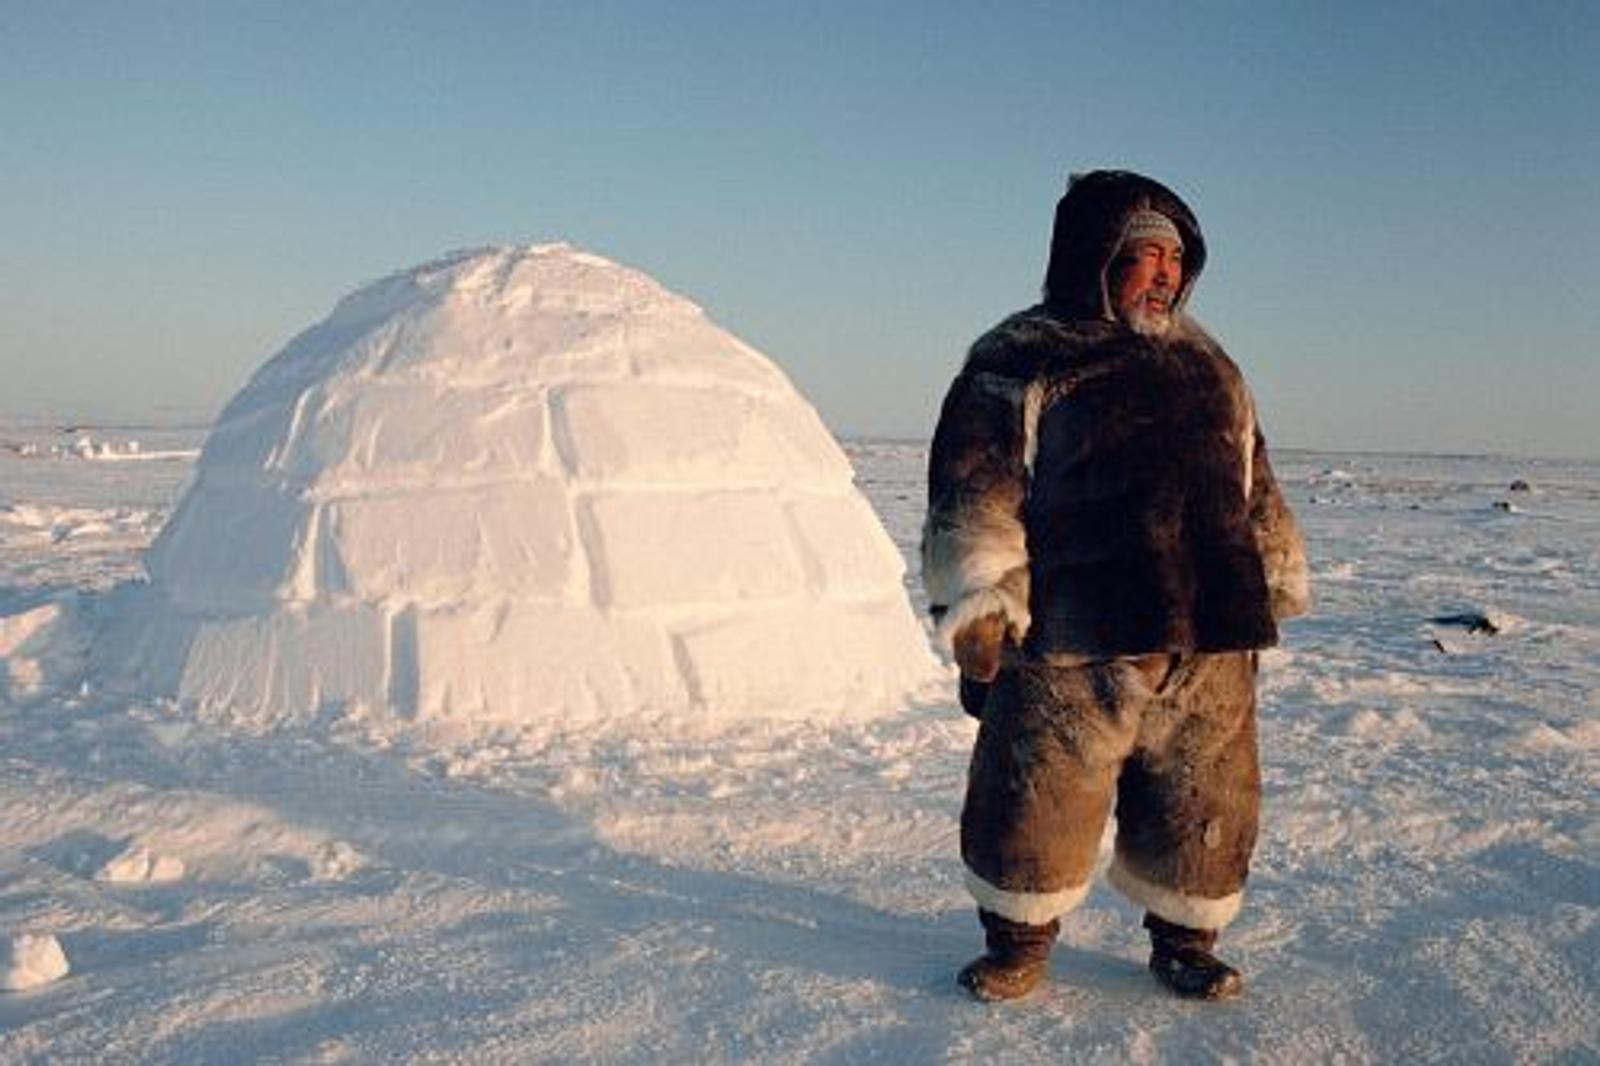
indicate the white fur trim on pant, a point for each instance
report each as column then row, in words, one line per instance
column 1196, row 912
column 980, row 604
column 1029, row 908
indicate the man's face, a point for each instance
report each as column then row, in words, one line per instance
column 1145, row 279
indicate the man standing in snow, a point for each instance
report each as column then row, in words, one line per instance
column 1106, row 549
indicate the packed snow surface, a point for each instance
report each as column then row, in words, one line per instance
column 1426, row 888
column 518, row 484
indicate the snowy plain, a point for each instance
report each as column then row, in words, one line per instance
column 1426, row 889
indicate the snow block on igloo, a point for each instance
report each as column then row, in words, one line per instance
column 729, row 547
column 515, row 540
column 290, row 664
column 839, row 659
column 574, row 663
column 521, row 485
column 624, row 434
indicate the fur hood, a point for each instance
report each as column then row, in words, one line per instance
column 1090, row 221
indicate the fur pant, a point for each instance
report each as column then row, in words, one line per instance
column 1169, row 740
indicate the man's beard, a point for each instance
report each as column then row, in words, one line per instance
column 1148, row 319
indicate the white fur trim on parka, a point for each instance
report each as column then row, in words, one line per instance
column 980, row 604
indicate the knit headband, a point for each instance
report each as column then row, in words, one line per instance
column 1145, row 224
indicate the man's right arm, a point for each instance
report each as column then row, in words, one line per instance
column 974, row 546
column 1283, row 553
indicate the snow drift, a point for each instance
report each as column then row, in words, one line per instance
column 520, row 484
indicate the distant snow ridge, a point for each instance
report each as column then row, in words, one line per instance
column 519, row 484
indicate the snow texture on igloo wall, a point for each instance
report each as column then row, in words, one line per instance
column 518, row 484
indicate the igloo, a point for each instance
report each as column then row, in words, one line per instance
column 514, row 485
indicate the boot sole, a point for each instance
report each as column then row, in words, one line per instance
column 994, row 990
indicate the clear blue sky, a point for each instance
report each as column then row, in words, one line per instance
column 1401, row 198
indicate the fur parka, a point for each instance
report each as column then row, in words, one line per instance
column 1109, row 493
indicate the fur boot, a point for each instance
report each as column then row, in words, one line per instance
column 1182, row 961
column 1016, row 962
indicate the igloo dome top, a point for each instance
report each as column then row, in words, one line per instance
column 516, row 484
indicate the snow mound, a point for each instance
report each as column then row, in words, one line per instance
column 137, row 865
column 41, row 650
column 516, row 485
column 30, row 960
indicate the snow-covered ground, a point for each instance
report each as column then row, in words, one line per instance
column 1427, row 886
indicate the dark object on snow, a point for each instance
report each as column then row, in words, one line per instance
column 1016, row 962
column 1182, row 962
column 1503, row 505
column 1438, row 646
column 1520, row 485
column 1471, row 621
